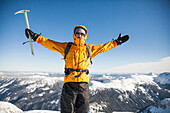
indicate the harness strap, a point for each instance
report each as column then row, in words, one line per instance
column 69, row 70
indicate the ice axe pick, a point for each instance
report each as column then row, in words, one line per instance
column 26, row 20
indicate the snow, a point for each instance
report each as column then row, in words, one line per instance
column 122, row 112
column 164, row 108
column 41, row 111
column 6, row 107
column 9, row 82
column 95, row 107
column 120, row 82
column 123, row 83
column 161, row 107
column 35, row 80
column 52, row 102
column 158, row 110
column 163, row 78
column 40, row 82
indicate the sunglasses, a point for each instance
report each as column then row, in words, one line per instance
column 82, row 34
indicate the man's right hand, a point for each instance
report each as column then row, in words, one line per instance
column 33, row 35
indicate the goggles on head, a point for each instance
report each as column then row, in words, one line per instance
column 80, row 30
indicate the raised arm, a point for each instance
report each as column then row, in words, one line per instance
column 96, row 49
column 50, row 44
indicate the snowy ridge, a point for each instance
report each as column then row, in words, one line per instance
column 122, row 83
column 160, row 107
column 163, row 78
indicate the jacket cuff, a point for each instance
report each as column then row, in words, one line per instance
column 115, row 42
column 35, row 37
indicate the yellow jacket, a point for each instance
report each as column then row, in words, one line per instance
column 77, row 55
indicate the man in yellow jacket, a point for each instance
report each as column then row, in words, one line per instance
column 75, row 93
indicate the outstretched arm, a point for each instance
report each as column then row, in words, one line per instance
column 50, row 44
column 96, row 49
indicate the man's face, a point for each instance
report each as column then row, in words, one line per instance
column 80, row 35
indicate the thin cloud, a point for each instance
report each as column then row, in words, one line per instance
column 157, row 67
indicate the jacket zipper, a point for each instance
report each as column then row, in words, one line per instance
column 78, row 60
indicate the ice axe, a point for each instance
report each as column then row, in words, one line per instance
column 26, row 20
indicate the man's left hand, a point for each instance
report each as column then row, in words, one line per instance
column 122, row 39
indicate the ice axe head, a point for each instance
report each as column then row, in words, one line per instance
column 22, row 11
column 25, row 14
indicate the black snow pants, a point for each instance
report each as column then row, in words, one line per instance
column 75, row 98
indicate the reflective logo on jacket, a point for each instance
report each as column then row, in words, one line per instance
column 77, row 55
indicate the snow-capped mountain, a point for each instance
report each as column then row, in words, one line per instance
column 160, row 107
column 108, row 92
column 30, row 91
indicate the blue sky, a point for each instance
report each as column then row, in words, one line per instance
column 145, row 21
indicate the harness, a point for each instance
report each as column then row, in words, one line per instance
column 69, row 70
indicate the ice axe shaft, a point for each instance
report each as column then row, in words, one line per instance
column 27, row 23
column 26, row 19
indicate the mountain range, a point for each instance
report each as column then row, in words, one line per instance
column 108, row 92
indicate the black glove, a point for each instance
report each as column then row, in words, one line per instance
column 33, row 35
column 121, row 40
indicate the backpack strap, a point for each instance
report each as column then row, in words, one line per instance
column 67, row 49
column 89, row 54
column 88, row 48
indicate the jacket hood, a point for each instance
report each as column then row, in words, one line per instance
column 78, row 41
